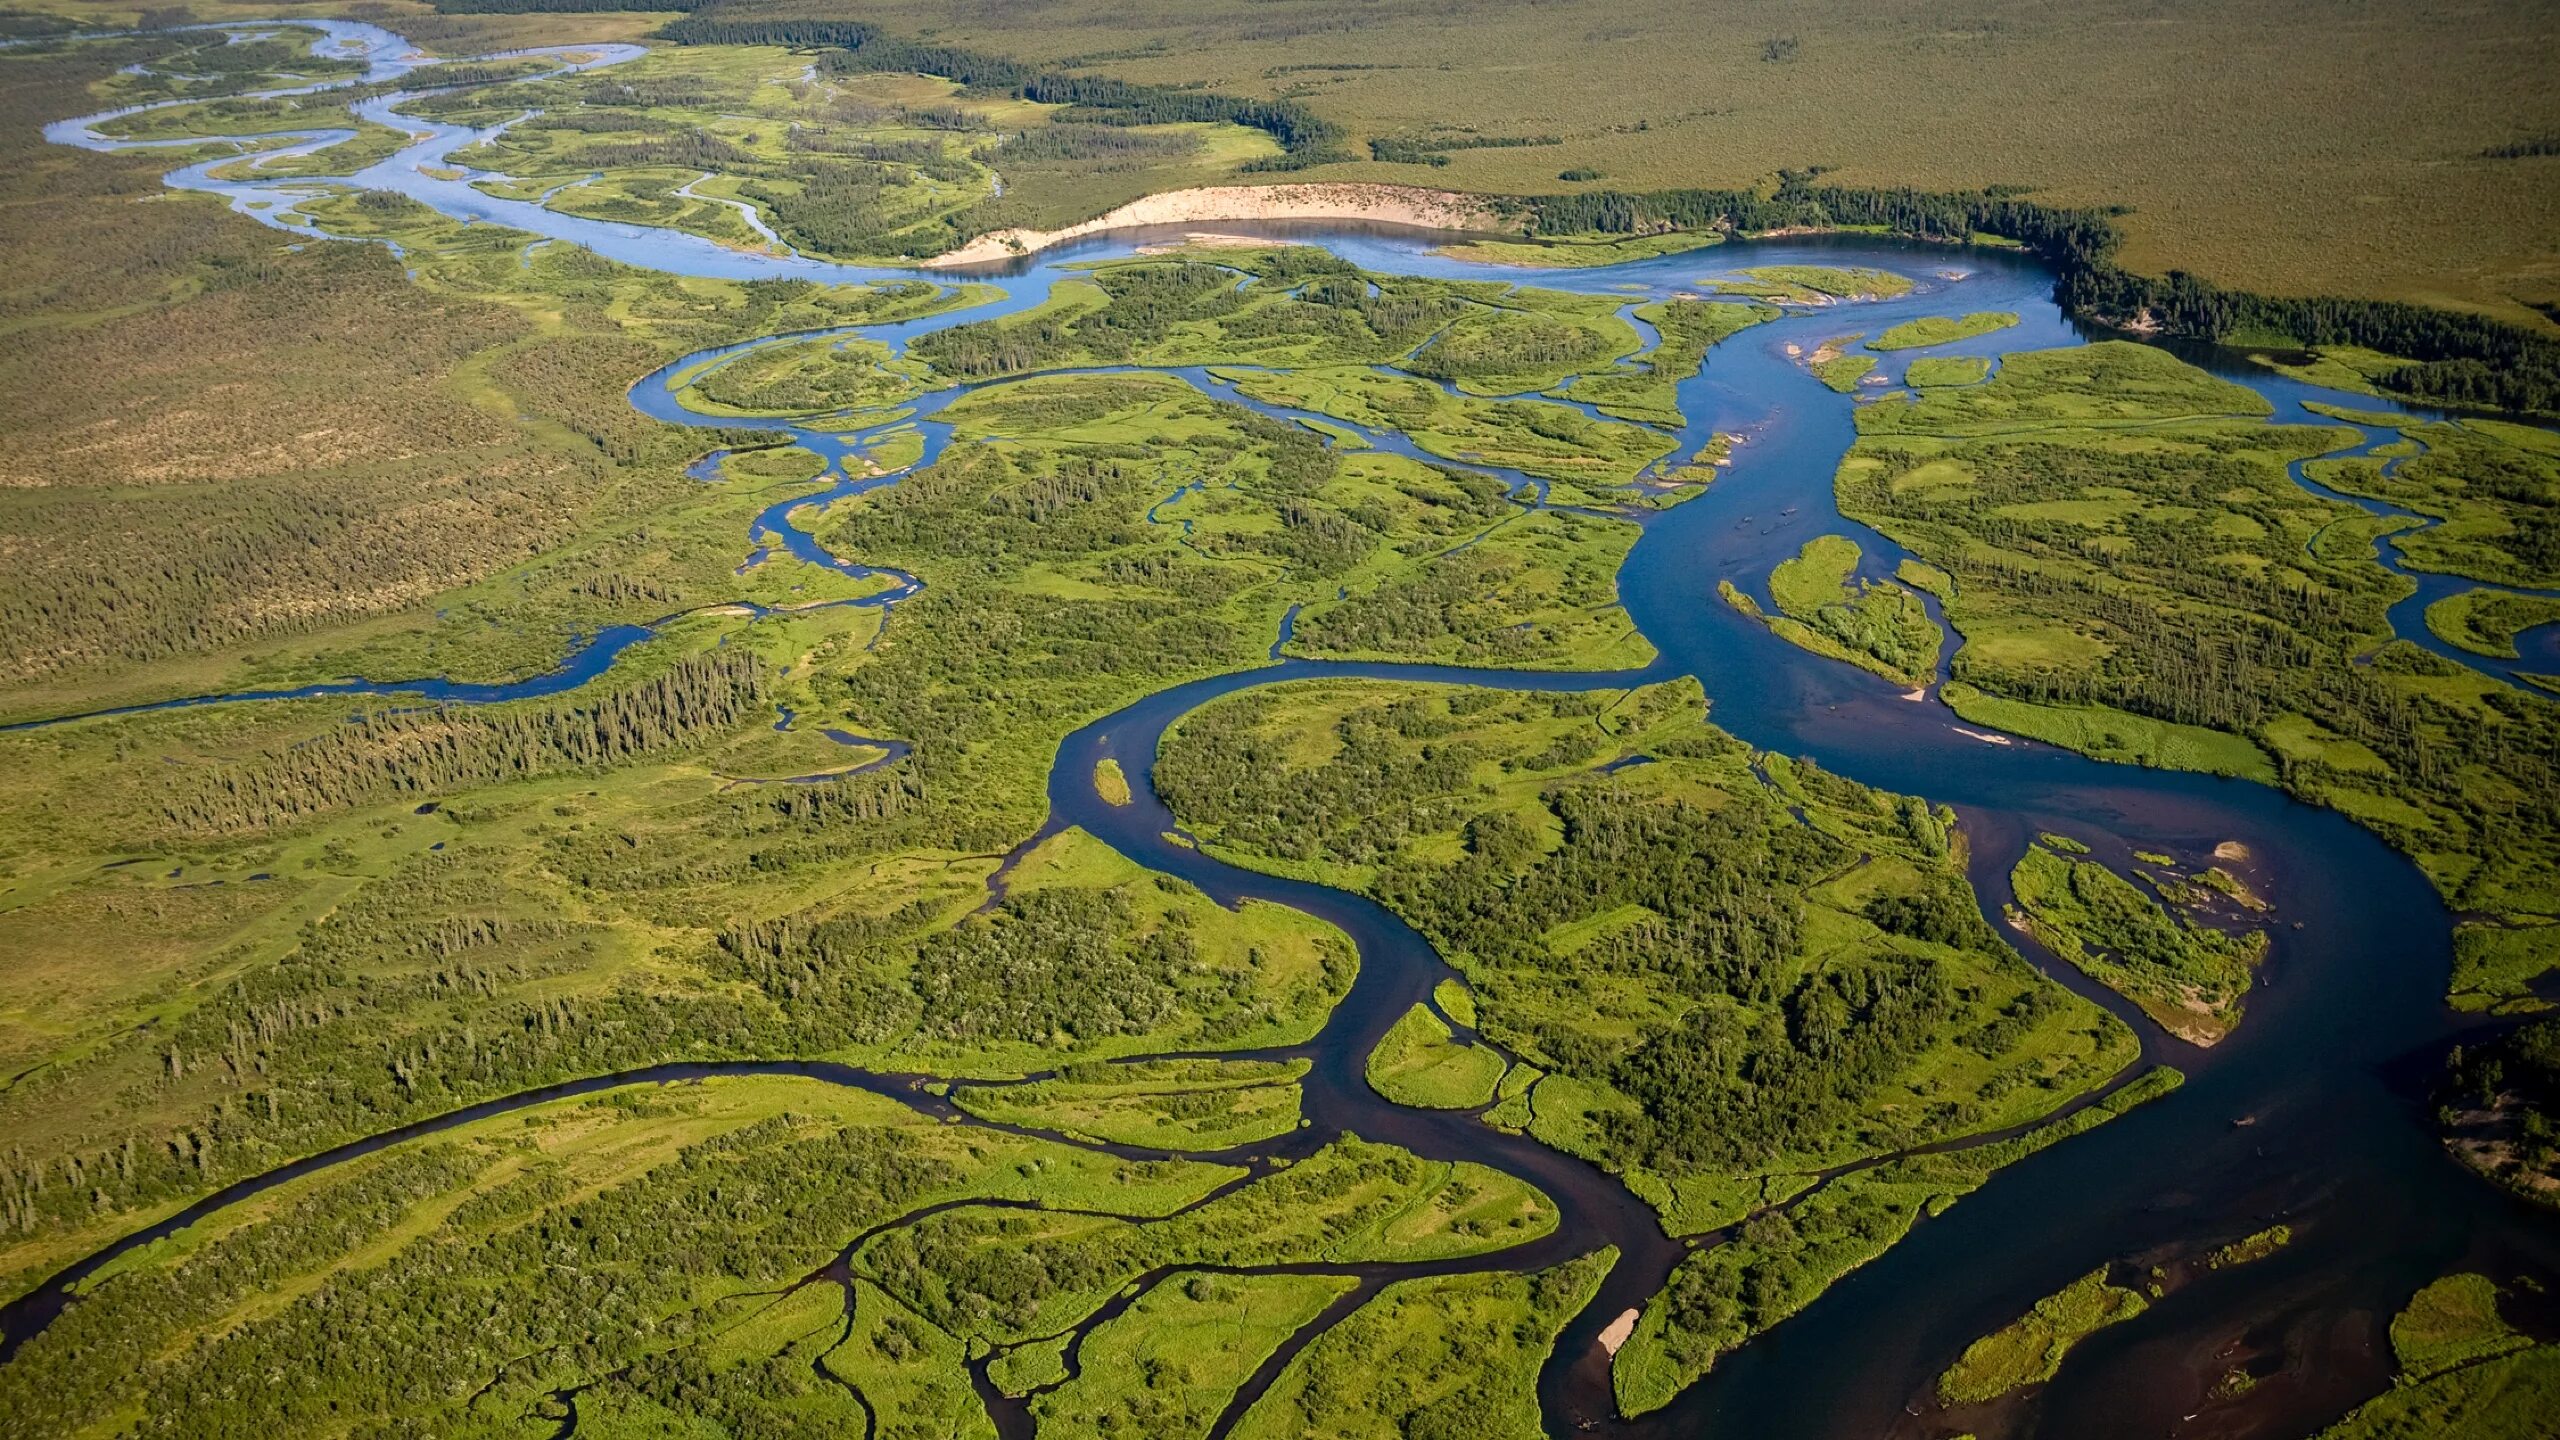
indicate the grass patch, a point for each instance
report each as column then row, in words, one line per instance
column 2487, row 622
column 1931, row 370
column 1942, row 330
column 1462, row 1351
column 2030, row 1349
column 1420, row 1062
column 1167, row 1105
column 1169, row 1363
column 1814, row 284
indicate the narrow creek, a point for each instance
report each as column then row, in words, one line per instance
column 2313, row 1112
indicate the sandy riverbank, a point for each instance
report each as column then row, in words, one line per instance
column 1377, row 204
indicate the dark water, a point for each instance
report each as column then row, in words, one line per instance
column 2313, row 1112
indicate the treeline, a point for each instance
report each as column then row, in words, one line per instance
column 423, row 750
column 1397, row 150
column 860, row 48
column 2466, row 359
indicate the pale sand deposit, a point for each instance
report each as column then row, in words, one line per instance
column 1378, row 204
column 1618, row 1331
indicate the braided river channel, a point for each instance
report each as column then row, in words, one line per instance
column 2313, row 1112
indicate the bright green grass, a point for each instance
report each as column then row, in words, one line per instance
column 2495, row 965
column 2189, row 976
column 2464, row 1372
column 1946, row 370
column 1168, row 1105
column 1942, row 330
column 2250, row 1248
column 2452, row 1322
column 1420, row 1062
column 1580, row 251
column 1456, row 1356
column 1689, row 328
column 1814, row 284
column 1168, row 1365
column 2512, row 1397
column 1419, row 794
column 1878, row 626
column 909, row 1368
column 2115, row 734
column 1839, row 367
column 1832, row 1231
column 1456, row 1001
column 2486, row 622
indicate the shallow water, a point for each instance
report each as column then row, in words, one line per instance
column 2328, row 1073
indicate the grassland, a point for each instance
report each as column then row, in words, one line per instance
column 454, row 1225
column 1688, row 329
column 2012, row 94
column 2495, row 965
column 2452, row 1322
column 525, row 909
column 873, row 165
column 591, row 909
column 1471, row 814
column 672, row 1193
column 334, row 460
column 1778, row 1262
column 1813, row 284
column 325, row 930
column 1578, row 252
column 2490, row 484
column 1946, row 370
column 1837, row 365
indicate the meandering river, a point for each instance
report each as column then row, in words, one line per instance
column 2313, row 1111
